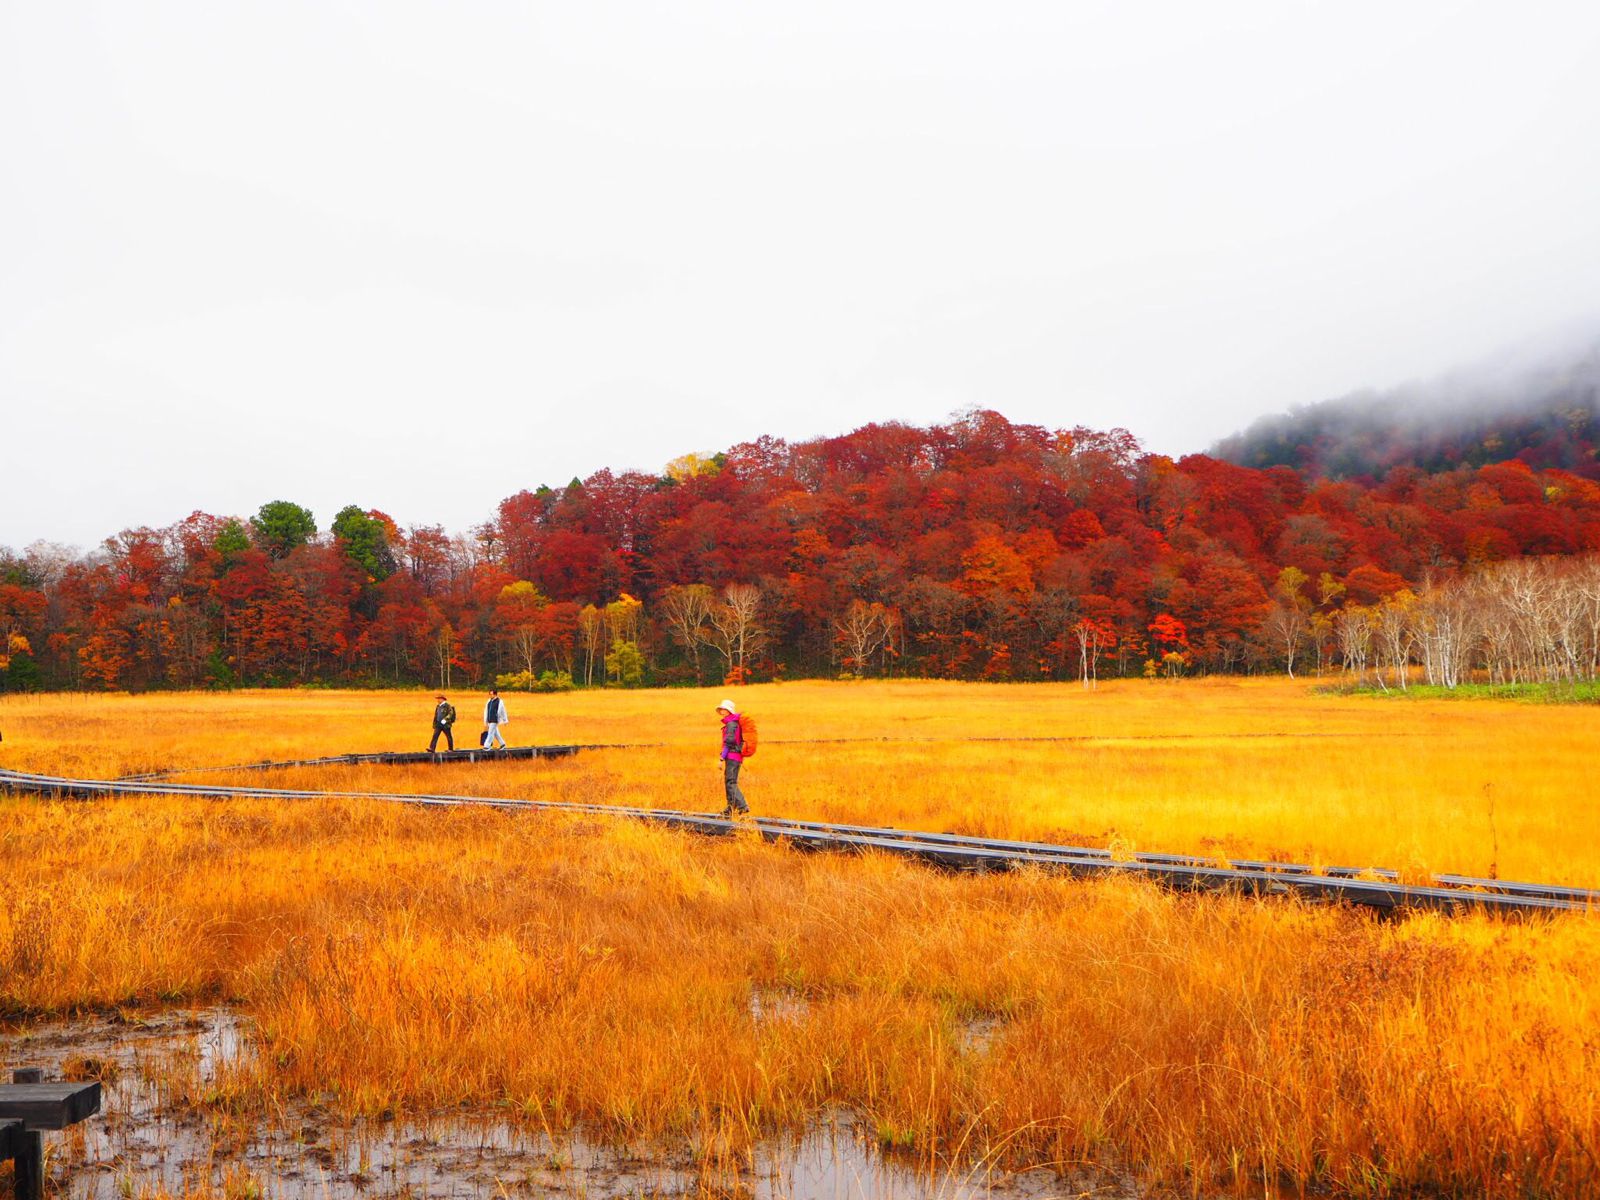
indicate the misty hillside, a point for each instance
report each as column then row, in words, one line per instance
column 1543, row 409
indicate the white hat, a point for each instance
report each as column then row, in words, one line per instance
column 728, row 704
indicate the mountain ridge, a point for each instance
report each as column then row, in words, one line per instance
column 1542, row 408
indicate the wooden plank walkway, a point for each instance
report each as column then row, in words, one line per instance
column 48, row 1106
column 392, row 758
column 1366, row 887
column 29, row 1105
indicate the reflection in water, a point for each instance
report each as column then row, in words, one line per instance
column 154, row 1131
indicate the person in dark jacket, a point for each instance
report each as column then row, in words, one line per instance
column 494, row 716
column 444, row 716
column 732, row 757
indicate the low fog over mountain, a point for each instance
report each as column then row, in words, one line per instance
column 1540, row 404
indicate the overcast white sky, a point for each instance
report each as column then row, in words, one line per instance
column 417, row 256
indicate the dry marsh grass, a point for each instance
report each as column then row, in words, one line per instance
column 580, row 971
column 1225, row 767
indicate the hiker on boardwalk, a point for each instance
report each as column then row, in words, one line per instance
column 444, row 716
column 732, row 757
column 494, row 716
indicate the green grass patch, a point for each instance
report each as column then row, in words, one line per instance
column 1586, row 692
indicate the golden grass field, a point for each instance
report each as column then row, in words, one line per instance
column 583, row 972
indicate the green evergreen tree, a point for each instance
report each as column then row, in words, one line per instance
column 232, row 540
column 282, row 526
column 365, row 542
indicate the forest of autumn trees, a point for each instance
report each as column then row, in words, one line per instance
column 975, row 549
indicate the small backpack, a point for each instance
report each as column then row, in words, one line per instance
column 748, row 734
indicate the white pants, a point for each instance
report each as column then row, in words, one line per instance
column 493, row 737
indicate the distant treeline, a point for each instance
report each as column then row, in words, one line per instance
column 975, row 549
column 1524, row 621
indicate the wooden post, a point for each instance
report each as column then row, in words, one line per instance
column 28, row 1165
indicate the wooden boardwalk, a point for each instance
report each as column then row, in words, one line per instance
column 28, row 1105
column 1364, row 886
column 395, row 758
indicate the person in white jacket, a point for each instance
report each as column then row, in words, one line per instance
column 494, row 716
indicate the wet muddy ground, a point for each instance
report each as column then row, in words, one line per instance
column 150, row 1135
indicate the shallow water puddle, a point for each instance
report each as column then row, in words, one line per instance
column 149, row 1136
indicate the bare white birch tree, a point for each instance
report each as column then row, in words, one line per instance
column 1290, row 615
column 862, row 632
column 686, row 610
column 734, row 627
column 1354, row 628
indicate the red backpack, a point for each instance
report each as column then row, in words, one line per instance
column 748, row 734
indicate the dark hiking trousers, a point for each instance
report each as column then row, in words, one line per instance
column 730, row 782
column 449, row 739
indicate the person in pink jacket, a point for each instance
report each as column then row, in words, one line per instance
column 732, row 757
